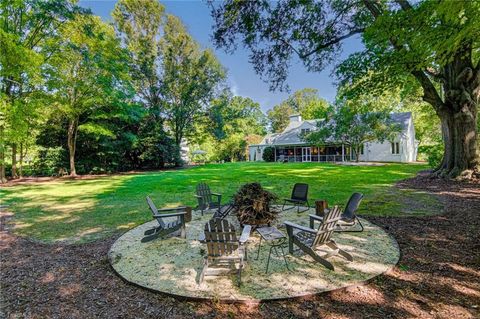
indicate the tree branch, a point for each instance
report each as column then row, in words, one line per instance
column 331, row 42
column 434, row 74
column 430, row 93
column 404, row 4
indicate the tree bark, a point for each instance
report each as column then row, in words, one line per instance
column 457, row 111
column 20, row 166
column 14, row 161
column 459, row 116
column 356, row 150
column 3, row 178
column 72, row 142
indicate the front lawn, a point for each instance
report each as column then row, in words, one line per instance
column 85, row 210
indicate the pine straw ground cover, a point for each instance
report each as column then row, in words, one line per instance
column 437, row 276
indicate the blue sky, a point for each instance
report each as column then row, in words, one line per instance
column 241, row 77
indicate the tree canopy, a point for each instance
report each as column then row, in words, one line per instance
column 428, row 44
column 305, row 102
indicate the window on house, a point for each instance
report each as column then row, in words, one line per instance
column 395, row 147
column 362, row 149
column 305, row 131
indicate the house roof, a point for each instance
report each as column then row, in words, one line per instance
column 291, row 134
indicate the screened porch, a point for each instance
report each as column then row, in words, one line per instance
column 327, row 153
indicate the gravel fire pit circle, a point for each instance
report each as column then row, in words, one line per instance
column 172, row 265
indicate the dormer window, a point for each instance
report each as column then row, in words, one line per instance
column 305, row 131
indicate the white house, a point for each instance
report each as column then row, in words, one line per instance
column 290, row 147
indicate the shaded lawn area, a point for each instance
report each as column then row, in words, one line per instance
column 85, row 210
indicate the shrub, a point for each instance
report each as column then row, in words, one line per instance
column 49, row 161
column 434, row 154
column 268, row 154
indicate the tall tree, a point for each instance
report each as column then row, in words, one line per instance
column 305, row 102
column 434, row 43
column 87, row 72
column 229, row 115
column 140, row 23
column 191, row 77
column 279, row 116
column 25, row 26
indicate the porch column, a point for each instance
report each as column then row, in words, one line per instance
column 275, row 154
column 343, row 153
column 294, row 153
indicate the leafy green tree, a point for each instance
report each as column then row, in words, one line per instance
column 140, row 23
column 25, row 27
column 353, row 127
column 87, row 72
column 305, row 102
column 279, row 116
column 229, row 115
column 233, row 123
column 308, row 104
column 190, row 78
column 431, row 44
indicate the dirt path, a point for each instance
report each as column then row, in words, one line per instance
column 437, row 277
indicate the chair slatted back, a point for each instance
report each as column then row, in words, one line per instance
column 154, row 211
column 352, row 205
column 326, row 228
column 204, row 192
column 300, row 191
column 220, row 237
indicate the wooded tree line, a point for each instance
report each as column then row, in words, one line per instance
column 90, row 97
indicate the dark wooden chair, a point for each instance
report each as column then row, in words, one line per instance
column 349, row 218
column 223, row 248
column 206, row 199
column 165, row 227
column 309, row 239
column 299, row 197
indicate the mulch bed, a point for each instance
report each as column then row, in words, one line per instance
column 437, row 276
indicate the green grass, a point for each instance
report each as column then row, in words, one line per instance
column 85, row 210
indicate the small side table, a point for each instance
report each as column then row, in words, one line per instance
column 275, row 239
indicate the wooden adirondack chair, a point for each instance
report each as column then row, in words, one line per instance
column 299, row 197
column 165, row 228
column 223, row 247
column 308, row 239
column 205, row 198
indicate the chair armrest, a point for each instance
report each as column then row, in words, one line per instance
column 313, row 219
column 169, row 215
column 245, row 234
column 300, row 227
column 319, row 218
column 197, row 196
column 216, row 194
column 171, row 209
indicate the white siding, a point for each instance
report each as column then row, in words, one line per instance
column 382, row 152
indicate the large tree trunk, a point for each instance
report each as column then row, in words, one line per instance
column 3, row 178
column 72, row 142
column 458, row 117
column 14, row 161
column 20, row 166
